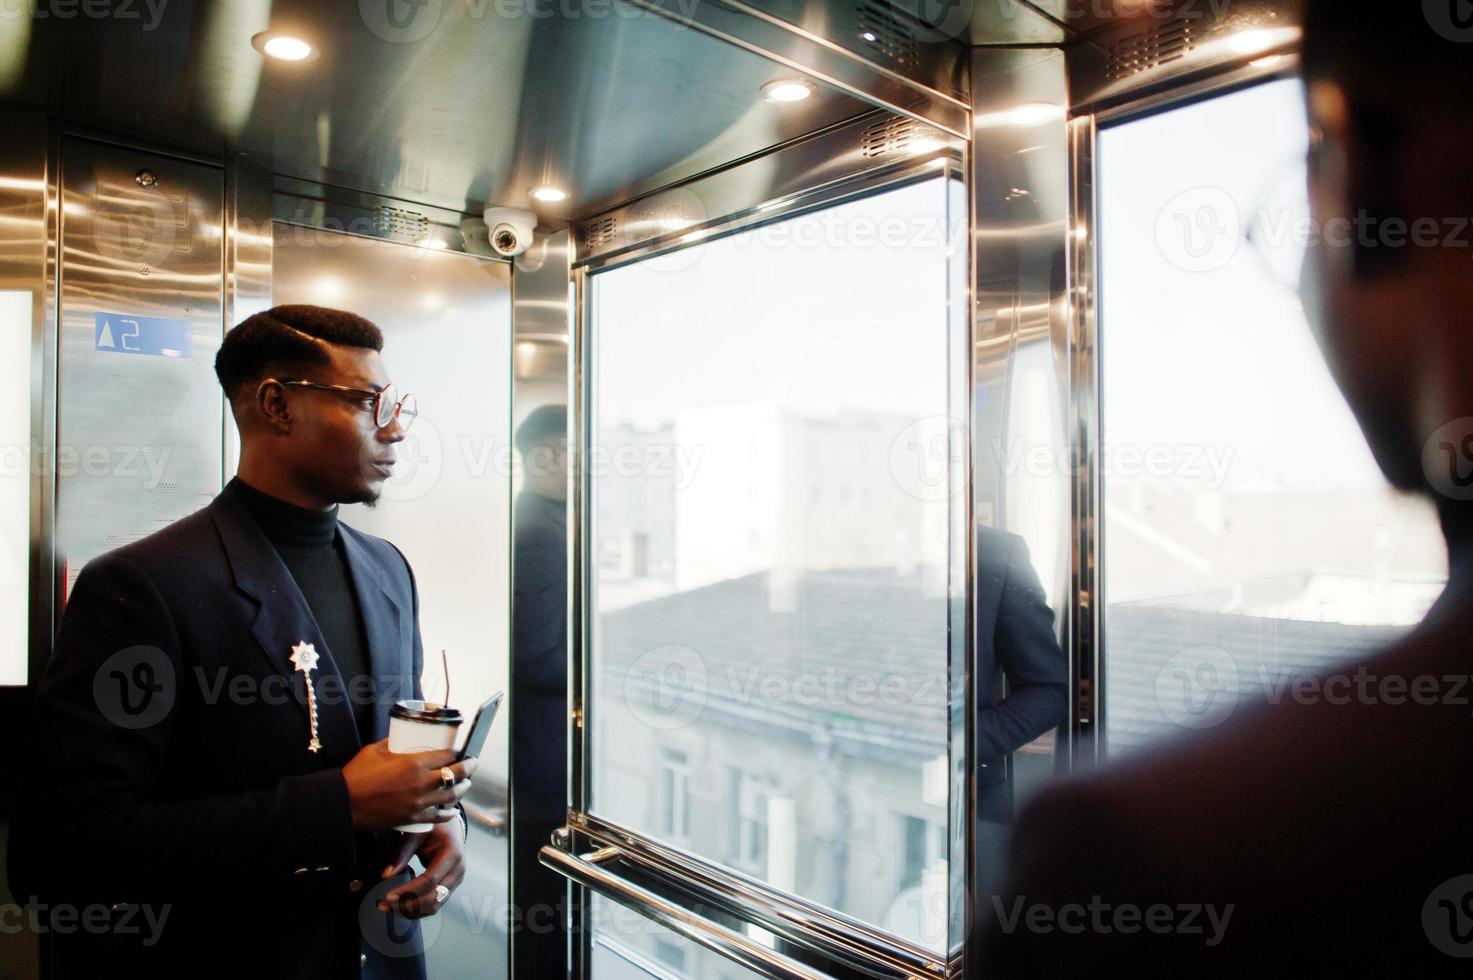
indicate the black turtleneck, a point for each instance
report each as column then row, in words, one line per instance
column 312, row 550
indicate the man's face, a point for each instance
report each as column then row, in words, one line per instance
column 334, row 446
column 547, row 468
column 1360, row 322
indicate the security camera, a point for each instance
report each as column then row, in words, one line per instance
column 510, row 230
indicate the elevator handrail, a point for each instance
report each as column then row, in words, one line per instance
column 587, row 870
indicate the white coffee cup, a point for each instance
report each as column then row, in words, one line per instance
column 419, row 726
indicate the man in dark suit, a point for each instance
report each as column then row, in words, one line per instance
column 1018, row 655
column 540, row 711
column 209, row 769
column 1332, row 834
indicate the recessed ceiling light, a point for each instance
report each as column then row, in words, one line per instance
column 787, row 90
column 546, row 192
column 284, row 47
column 870, row 36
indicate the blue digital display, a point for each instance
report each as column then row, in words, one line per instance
column 124, row 334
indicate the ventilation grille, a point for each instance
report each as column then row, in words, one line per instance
column 600, row 232
column 886, row 32
column 889, row 136
column 400, row 225
column 1158, row 45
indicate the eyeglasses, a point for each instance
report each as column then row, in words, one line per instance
column 386, row 405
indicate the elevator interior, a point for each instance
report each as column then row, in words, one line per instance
column 162, row 178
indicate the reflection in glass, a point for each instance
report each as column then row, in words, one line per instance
column 770, row 495
column 1249, row 538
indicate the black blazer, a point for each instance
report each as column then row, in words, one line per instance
column 1015, row 641
column 171, row 761
column 1324, row 835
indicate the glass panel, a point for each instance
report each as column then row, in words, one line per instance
column 628, row 946
column 1250, row 540
column 15, row 483
column 772, row 503
column 454, row 473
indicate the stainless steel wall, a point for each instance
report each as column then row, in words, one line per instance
column 140, row 308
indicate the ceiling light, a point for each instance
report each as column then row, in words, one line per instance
column 284, row 47
column 548, row 193
column 1251, row 42
column 787, row 90
column 1026, row 114
column 870, row 36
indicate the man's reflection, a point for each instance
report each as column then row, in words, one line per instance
column 1022, row 683
column 540, row 708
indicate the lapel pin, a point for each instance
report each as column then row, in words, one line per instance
column 304, row 657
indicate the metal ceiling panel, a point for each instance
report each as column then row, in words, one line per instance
column 452, row 103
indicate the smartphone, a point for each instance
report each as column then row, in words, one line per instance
column 481, row 727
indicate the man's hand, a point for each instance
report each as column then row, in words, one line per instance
column 444, row 859
column 386, row 788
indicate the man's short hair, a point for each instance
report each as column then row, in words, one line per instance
column 541, row 424
column 287, row 339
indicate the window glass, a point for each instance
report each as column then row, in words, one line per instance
column 1249, row 539
column 16, row 463
column 770, row 547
